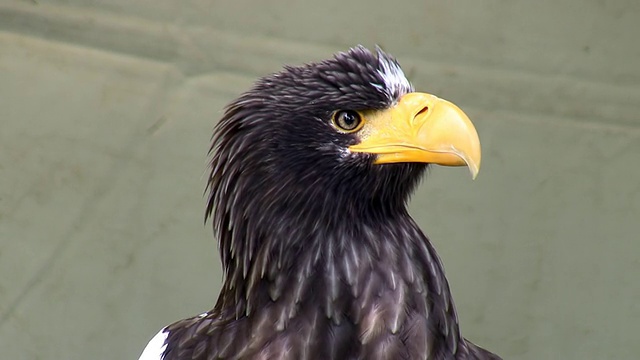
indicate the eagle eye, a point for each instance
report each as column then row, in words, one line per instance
column 348, row 120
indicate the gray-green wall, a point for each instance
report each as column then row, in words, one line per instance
column 106, row 109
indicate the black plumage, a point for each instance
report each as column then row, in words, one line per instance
column 321, row 258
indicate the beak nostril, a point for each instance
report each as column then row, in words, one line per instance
column 423, row 110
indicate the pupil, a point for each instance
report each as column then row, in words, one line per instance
column 349, row 119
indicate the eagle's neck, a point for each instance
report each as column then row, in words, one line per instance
column 374, row 282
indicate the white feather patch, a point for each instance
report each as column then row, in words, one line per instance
column 156, row 347
column 395, row 82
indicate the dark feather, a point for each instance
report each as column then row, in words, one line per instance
column 321, row 258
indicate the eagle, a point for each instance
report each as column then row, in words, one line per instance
column 310, row 175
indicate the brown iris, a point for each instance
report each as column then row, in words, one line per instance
column 347, row 120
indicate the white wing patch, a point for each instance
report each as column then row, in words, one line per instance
column 156, row 347
column 395, row 82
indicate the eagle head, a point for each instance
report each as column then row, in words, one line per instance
column 336, row 141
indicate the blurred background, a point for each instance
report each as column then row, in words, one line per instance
column 106, row 110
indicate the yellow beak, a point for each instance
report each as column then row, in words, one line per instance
column 421, row 128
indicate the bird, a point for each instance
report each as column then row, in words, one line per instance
column 311, row 172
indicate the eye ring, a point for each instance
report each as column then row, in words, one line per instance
column 348, row 121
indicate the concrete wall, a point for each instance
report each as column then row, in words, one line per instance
column 106, row 109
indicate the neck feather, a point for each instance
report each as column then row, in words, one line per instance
column 343, row 269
